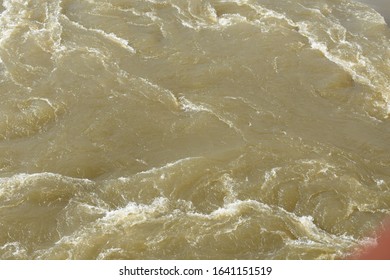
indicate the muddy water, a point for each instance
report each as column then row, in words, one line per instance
column 382, row 6
column 192, row 129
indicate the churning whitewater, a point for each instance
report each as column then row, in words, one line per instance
column 192, row 129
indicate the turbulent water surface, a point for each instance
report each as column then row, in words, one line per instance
column 192, row 129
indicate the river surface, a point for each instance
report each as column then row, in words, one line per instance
column 382, row 6
column 193, row 129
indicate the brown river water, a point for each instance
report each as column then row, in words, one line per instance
column 193, row 129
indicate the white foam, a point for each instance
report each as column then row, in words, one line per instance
column 132, row 214
column 108, row 252
column 362, row 69
column 156, row 87
column 188, row 106
column 110, row 36
column 13, row 250
column 160, row 204
column 10, row 187
column 10, row 19
column 161, row 169
column 269, row 175
column 22, row 177
column 306, row 231
column 169, row 165
column 380, row 182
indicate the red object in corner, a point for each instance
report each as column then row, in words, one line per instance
column 381, row 251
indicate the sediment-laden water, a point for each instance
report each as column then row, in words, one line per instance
column 192, row 129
